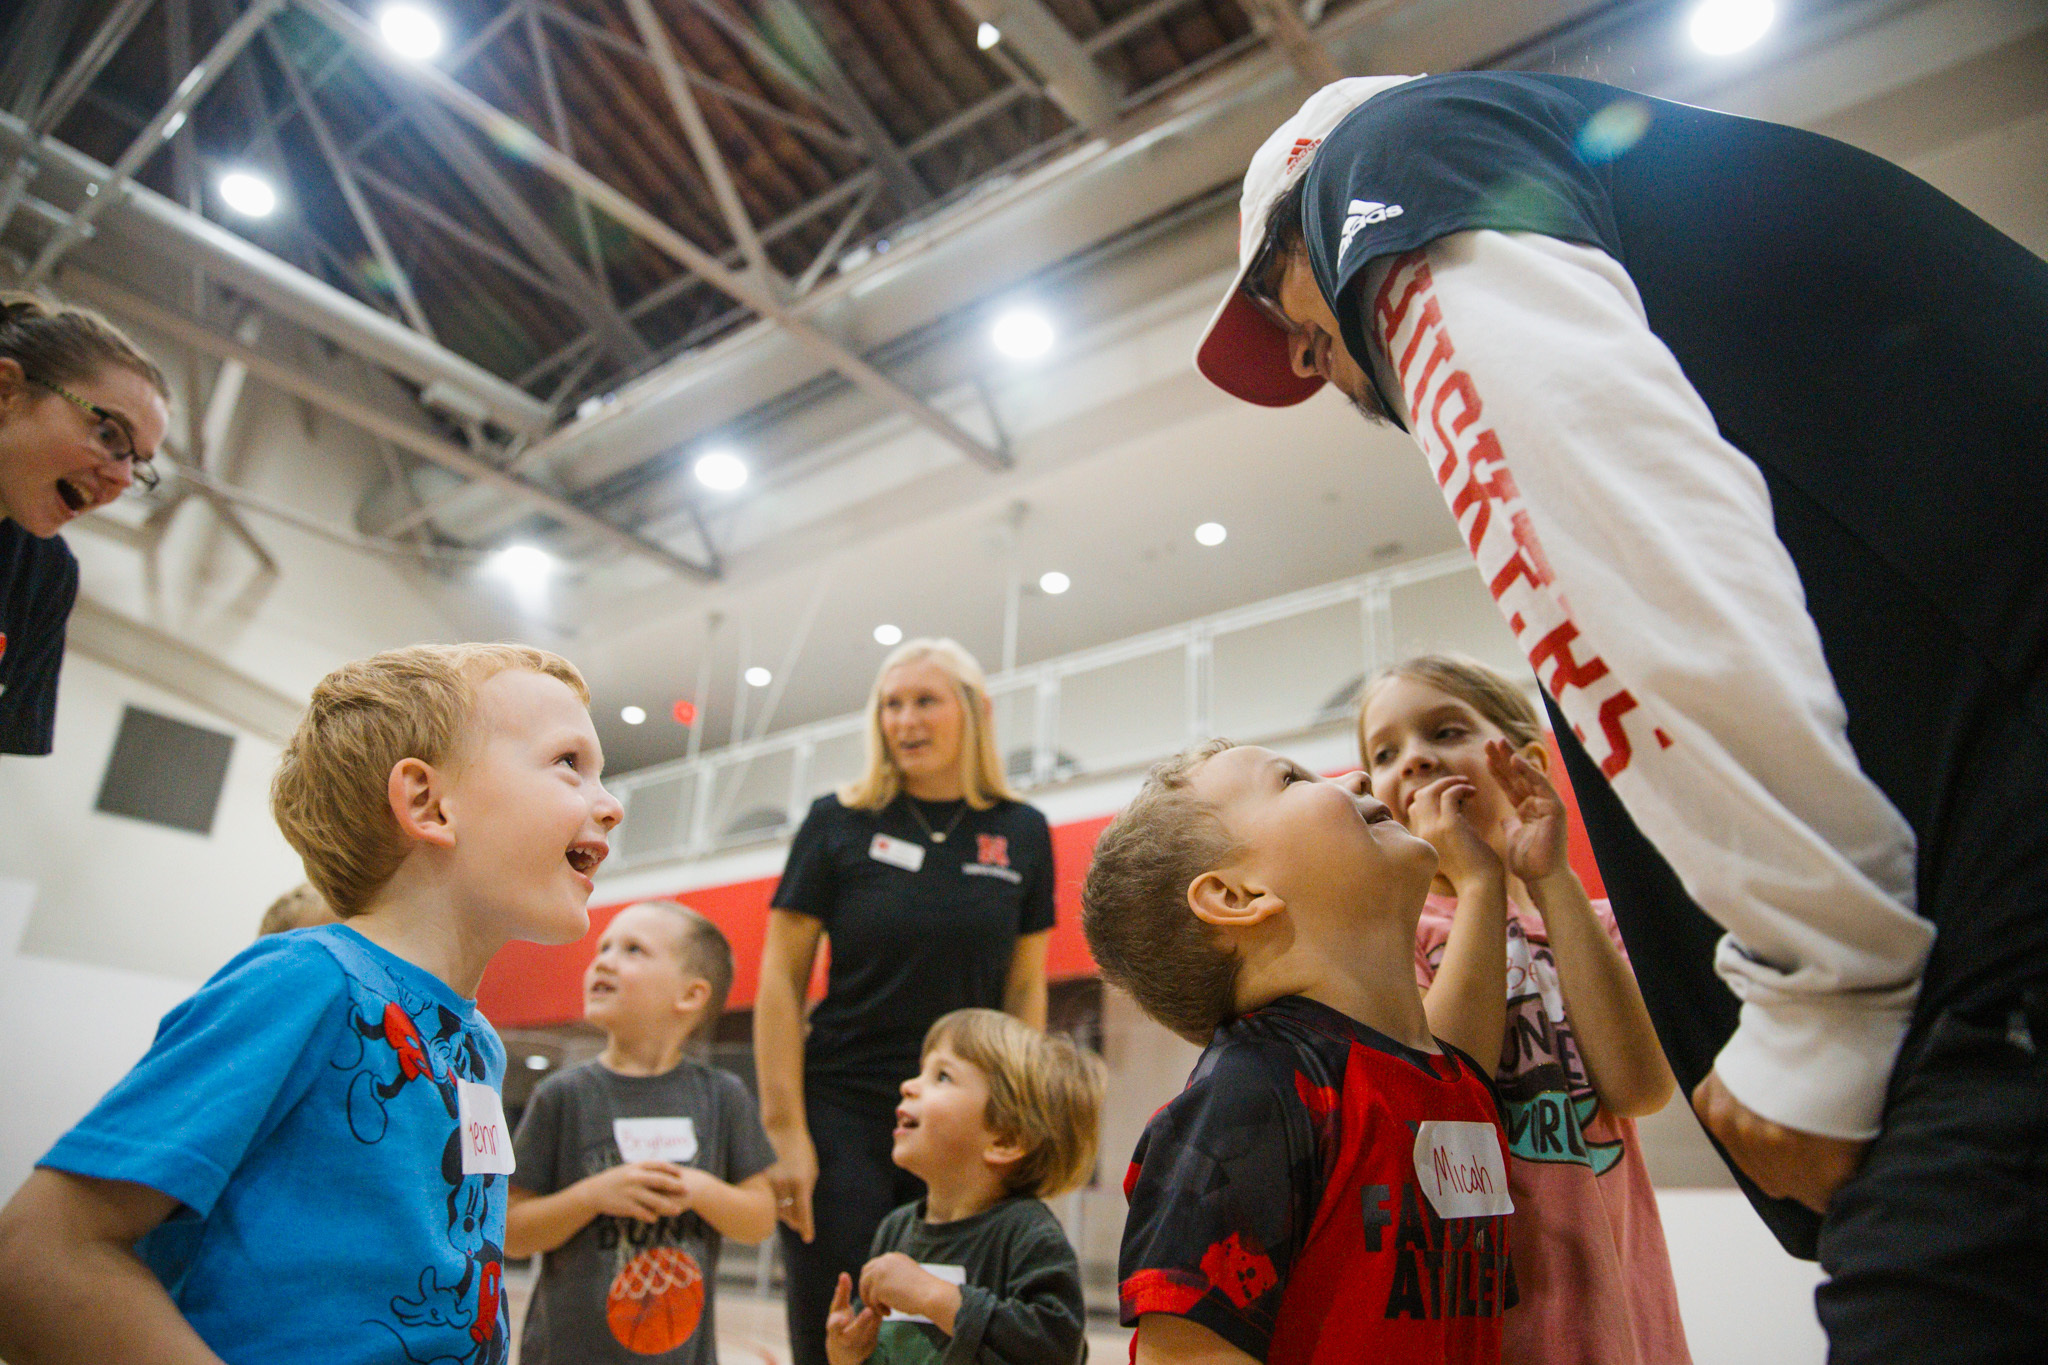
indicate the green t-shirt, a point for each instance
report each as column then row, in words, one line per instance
column 1020, row 1288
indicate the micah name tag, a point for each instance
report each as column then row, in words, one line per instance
column 897, row 852
column 673, row 1140
column 1461, row 1169
column 952, row 1274
column 486, row 1145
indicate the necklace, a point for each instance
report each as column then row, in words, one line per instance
column 937, row 836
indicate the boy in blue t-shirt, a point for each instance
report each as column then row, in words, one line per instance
column 308, row 1163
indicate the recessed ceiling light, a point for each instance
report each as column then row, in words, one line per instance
column 888, row 635
column 536, row 1062
column 1211, row 533
column 987, row 36
column 248, row 194
column 721, row 470
column 1719, row 27
column 758, row 676
column 632, row 715
column 412, row 31
column 1022, row 334
column 1054, row 583
column 523, row 566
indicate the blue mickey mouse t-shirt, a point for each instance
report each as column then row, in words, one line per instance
column 303, row 1109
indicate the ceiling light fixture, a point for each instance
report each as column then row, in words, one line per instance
column 758, row 676
column 412, row 31
column 1023, row 334
column 248, row 194
column 1719, row 27
column 523, row 565
column 1054, row 583
column 720, row 470
column 1211, row 533
column 536, row 1062
column 987, row 36
column 632, row 715
column 888, row 635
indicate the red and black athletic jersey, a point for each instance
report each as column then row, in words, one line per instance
column 1276, row 1202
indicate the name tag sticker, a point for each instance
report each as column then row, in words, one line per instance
column 486, row 1143
column 656, row 1139
column 1461, row 1169
column 897, row 852
column 951, row 1274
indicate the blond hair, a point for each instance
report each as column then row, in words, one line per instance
column 62, row 344
column 981, row 764
column 299, row 908
column 331, row 793
column 1145, row 936
column 701, row 948
column 1044, row 1093
column 1486, row 690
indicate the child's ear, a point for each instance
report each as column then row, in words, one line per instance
column 1004, row 1152
column 415, row 791
column 1226, row 900
column 696, row 996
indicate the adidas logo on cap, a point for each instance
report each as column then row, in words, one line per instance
column 1364, row 213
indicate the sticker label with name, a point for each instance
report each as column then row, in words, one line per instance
column 1461, row 1169
column 486, row 1143
column 897, row 852
column 951, row 1274
column 672, row 1140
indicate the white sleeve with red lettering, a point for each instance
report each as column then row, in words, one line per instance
column 1631, row 551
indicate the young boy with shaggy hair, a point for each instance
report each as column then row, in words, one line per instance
column 1332, row 1183
column 307, row 1164
column 998, row 1118
column 634, row 1166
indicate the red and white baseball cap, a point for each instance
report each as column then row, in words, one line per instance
column 1241, row 351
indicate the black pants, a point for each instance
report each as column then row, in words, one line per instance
column 857, row 1187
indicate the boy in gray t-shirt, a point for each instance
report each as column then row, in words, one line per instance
column 631, row 1168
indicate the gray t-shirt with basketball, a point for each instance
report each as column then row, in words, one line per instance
column 621, row 1289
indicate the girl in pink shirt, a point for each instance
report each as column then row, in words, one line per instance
column 1528, row 958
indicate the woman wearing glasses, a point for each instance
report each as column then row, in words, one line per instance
column 82, row 410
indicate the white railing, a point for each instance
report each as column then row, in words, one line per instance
column 1258, row 670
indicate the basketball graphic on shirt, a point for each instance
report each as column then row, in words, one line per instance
column 656, row 1301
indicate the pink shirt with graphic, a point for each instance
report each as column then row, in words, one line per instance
column 1590, row 1262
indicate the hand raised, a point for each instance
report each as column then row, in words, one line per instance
column 1534, row 847
column 849, row 1335
column 1437, row 813
column 1786, row 1163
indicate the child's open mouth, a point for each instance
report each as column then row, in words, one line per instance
column 905, row 1121
column 585, row 858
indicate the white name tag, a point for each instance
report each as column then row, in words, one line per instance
column 486, row 1145
column 1461, row 1169
column 897, row 852
column 656, row 1139
column 951, row 1274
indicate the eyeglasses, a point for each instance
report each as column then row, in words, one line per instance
column 111, row 432
column 1262, row 284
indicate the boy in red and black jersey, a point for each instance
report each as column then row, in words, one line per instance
column 1332, row 1184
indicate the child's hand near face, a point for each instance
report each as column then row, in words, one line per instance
column 1533, row 843
column 646, row 1190
column 893, row 1283
column 849, row 1335
column 1437, row 813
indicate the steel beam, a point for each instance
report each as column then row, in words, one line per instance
column 150, row 140
column 533, row 148
column 905, row 185
column 551, row 93
column 368, row 417
column 164, row 661
column 1309, row 58
column 49, row 111
column 434, row 216
column 1072, row 79
column 710, row 160
column 148, row 222
column 351, row 193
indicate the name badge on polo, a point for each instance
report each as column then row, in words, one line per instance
column 673, row 1140
column 486, row 1144
column 955, row 1275
column 897, row 852
column 1461, row 1169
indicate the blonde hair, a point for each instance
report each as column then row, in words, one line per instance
column 1143, row 933
column 1486, row 690
column 299, row 908
column 331, row 793
column 981, row 764
column 1043, row 1093
column 62, row 344
column 701, row 948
